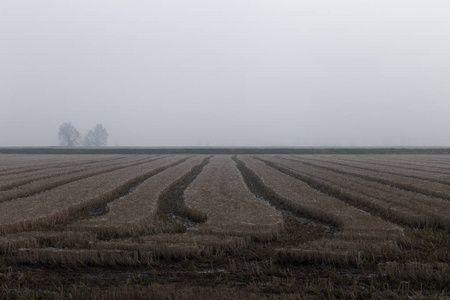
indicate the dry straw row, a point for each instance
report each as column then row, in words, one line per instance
column 35, row 163
column 418, row 185
column 13, row 163
column 432, row 176
column 59, row 204
column 396, row 163
column 341, row 252
column 41, row 185
column 42, row 239
column 175, row 246
column 395, row 204
column 357, row 228
column 82, row 248
column 436, row 161
column 418, row 272
column 57, row 163
column 15, row 180
column 82, row 257
column 136, row 213
column 399, row 196
column 351, row 221
column 221, row 193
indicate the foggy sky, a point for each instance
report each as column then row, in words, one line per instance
column 227, row 73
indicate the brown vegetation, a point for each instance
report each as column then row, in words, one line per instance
column 136, row 213
column 358, row 230
column 24, row 189
column 58, row 204
column 415, row 164
column 412, row 183
column 12, row 180
column 389, row 202
column 202, row 227
column 220, row 193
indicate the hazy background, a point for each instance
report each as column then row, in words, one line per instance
column 227, row 73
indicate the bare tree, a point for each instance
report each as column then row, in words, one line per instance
column 96, row 137
column 68, row 135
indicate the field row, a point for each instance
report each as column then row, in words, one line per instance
column 179, row 203
column 310, row 227
column 388, row 201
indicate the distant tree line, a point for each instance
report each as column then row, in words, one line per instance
column 69, row 136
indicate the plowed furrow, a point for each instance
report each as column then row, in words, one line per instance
column 425, row 175
column 26, row 162
column 101, row 208
column 15, row 181
column 49, row 167
column 396, row 165
column 40, row 186
column 257, row 187
column 172, row 203
column 60, row 204
column 140, row 212
column 409, row 184
column 220, row 193
column 386, row 202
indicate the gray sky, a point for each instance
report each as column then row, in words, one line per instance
column 227, row 73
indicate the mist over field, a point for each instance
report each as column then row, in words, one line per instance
column 227, row 73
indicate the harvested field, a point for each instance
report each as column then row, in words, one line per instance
column 393, row 169
column 221, row 226
column 230, row 208
column 136, row 212
column 417, row 165
column 11, row 181
column 19, row 189
column 354, row 225
column 58, row 204
column 403, row 180
column 400, row 206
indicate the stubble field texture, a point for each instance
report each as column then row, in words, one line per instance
column 224, row 226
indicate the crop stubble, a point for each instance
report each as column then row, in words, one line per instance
column 389, row 201
column 220, row 192
column 115, row 214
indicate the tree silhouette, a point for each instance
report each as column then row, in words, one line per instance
column 96, row 137
column 68, row 135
